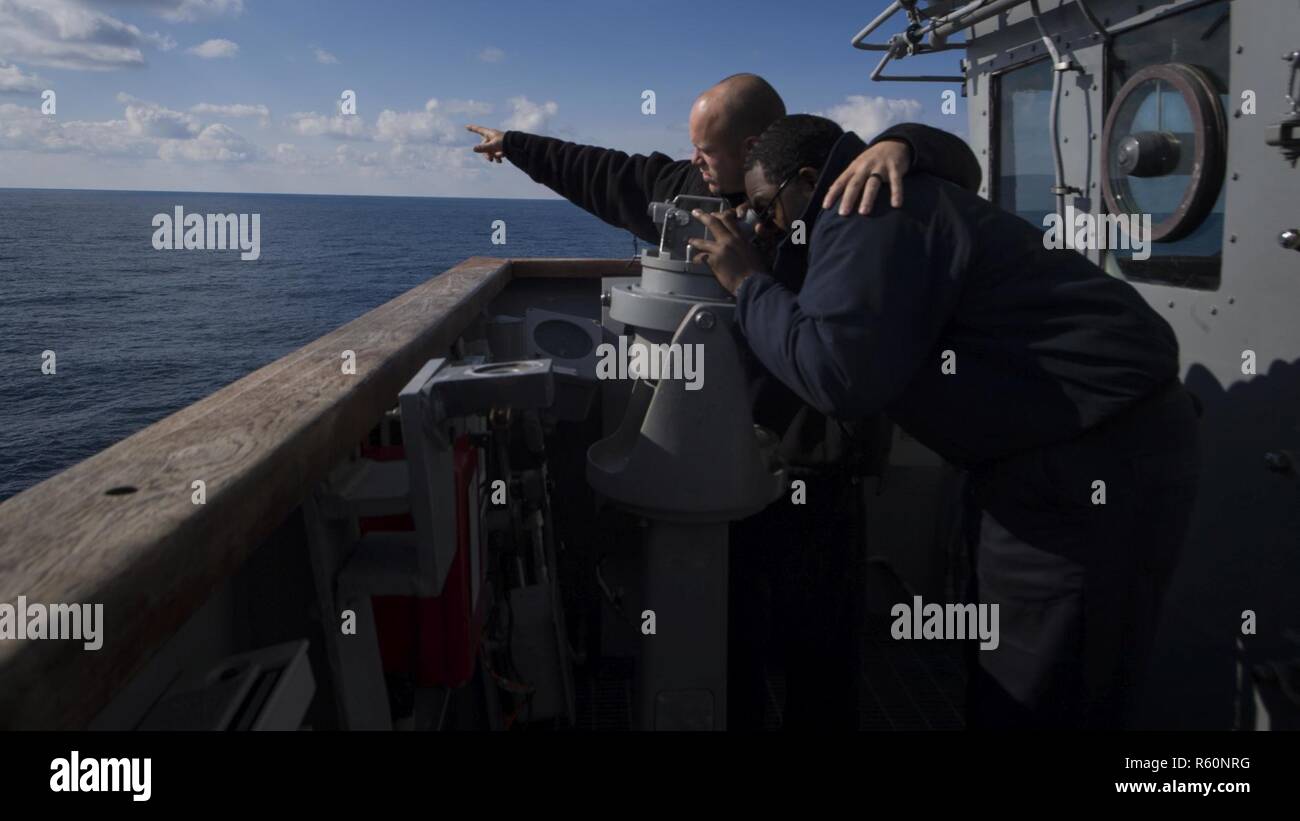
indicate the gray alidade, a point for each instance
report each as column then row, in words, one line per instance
column 689, row 461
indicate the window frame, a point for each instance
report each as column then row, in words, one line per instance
column 995, row 125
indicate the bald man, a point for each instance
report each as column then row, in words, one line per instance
column 796, row 582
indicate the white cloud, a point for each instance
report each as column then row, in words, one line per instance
column 65, row 34
column 215, row 49
column 146, row 130
column 353, row 155
column 26, row 129
column 440, row 159
column 467, row 107
column 491, row 54
column 185, row 11
column 152, row 120
column 323, row 56
column 311, row 124
column 418, row 151
column 431, row 124
column 868, row 116
column 12, row 79
column 234, row 110
column 529, row 116
column 288, row 155
column 428, row 125
column 216, row 143
column 405, row 162
column 401, row 143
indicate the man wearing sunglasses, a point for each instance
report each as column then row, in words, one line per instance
column 781, row 553
column 1054, row 384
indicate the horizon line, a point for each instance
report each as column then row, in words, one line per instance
column 552, row 196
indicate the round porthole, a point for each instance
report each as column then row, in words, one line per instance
column 1164, row 148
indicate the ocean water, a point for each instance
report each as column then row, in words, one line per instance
column 140, row 333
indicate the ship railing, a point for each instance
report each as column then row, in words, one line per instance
column 151, row 526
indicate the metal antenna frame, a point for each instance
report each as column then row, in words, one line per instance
column 937, row 30
column 909, row 42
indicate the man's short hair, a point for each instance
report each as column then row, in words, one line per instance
column 791, row 143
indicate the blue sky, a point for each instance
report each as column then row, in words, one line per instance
column 243, row 95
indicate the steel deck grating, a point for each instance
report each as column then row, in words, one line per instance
column 905, row 685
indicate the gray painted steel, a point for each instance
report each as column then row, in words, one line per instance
column 1244, row 551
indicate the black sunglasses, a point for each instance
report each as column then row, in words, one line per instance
column 766, row 214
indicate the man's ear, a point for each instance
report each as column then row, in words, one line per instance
column 810, row 175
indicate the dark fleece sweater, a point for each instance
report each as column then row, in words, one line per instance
column 1040, row 344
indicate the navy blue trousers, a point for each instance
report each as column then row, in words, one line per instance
column 1079, row 576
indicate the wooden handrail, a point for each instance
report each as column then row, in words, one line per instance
column 148, row 553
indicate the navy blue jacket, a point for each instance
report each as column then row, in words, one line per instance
column 1042, row 343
